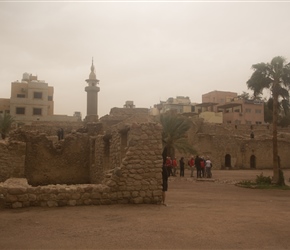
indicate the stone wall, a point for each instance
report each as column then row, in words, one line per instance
column 17, row 193
column 135, row 163
column 12, row 159
column 57, row 162
column 135, row 175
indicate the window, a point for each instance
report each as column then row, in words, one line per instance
column 20, row 111
column 20, row 95
column 37, row 95
column 49, row 98
column 248, row 110
column 37, row 111
column 258, row 111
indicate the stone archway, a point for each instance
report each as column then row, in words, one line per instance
column 253, row 161
column 228, row 161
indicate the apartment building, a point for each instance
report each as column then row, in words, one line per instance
column 234, row 109
column 177, row 105
column 32, row 100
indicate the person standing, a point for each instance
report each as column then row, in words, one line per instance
column 164, row 183
column 197, row 165
column 208, row 166
column 191, row 164
column 169, row 165
column 174, row 166
column 181, row 166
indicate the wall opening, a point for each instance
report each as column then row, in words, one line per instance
column 253, row 161
column 124, row 141
column 228, row 161
column 107, row 145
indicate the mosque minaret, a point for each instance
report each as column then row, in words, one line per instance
column 92, row 95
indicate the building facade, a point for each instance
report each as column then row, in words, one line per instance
column 32, row 100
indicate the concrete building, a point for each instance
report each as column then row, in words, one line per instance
column 177, row 105
column 31, row 100
column 234, row 110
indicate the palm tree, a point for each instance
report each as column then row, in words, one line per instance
column 274, row 76
column 174, row 135
column 6, row 121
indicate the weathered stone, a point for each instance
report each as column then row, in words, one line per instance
column 11, row 198
column 17, row 190
column 52, row 204
column 17, row 204
column 72, row 202
column 22, row 197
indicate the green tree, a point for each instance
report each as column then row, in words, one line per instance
column 6, row 121
column 274, row 76
column 174, row 135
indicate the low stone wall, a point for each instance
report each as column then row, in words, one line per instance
column 16, row 193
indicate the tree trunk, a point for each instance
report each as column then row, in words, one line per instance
column 276, row 175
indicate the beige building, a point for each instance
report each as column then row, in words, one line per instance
column 233, row 109
column 177, row 105
column 32, row 100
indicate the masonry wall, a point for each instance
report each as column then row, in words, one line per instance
column 12, row 159
column 61, row 162
column 134, row 178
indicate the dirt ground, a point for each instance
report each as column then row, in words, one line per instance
column 200, row 215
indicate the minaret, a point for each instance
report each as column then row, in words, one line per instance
column 92, row 96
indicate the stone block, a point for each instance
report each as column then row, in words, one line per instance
column 17, row 204
column 11, row 198
column 17, row 190
column 87, row 202
column 75, row 196
column 52, row 204
column 72, row 202
column 22, row 197
column 95, row 195
column 137, row 200
column 32, row 197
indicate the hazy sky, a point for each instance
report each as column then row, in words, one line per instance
column 143, row 51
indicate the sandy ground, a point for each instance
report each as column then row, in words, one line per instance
column 200, row 215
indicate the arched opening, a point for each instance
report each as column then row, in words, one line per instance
column 228, row 161
column 253, row 161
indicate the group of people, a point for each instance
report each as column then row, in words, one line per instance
column 203, row 169
column 201, row 164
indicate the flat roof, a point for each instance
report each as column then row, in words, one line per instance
column 206, row 104
column 229, row 105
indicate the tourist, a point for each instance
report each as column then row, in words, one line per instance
column 168, row 165
column 191, row 165
column 181, row 166
column 197, row 165
column 174, row 166
column 208, row 166
column 164, row 182
column 202, row 167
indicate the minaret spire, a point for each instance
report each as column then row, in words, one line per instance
column 92, row 95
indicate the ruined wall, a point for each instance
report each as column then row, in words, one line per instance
column 240, row 150
column 61, row 162
column 134, row 172
column 50, row 128
column 137, row 178
column 12, row 159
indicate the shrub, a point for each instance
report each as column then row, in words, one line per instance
column 263, row 180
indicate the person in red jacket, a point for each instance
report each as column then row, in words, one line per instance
column 174, row 166
column 191, row 165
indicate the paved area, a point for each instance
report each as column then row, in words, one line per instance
column 200, row 215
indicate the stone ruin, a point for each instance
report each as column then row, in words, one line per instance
column 118, row 159
column 97, row 164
